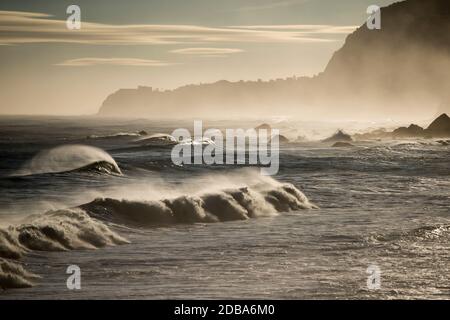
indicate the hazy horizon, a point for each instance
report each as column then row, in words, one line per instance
column 51, row 70
column 239, row 150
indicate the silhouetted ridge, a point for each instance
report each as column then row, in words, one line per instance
column 398, row 70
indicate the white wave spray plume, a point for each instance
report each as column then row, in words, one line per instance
column 60, row 230
column 68, row 158
column 240, row 195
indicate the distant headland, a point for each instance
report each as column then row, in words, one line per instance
column 394, row 72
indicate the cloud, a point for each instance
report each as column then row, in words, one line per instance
column 303, row 28
column 207, row 52
column 18, row 27
column 272, row 5
column 113, row 61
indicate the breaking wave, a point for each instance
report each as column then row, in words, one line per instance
column 424, row 233
column 158, row 139
column 223, row 205
column 100, row 167
column 118, row 135
column 13, row 275
column 60, row 230
column 194, row 142
column 240, row 197
column 70, row 158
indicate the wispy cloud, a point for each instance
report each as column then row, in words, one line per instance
column 272, row 5
column 207, row 52
column 28, row 27
column 303, row 28
column 113, row 61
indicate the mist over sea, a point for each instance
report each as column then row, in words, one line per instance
column 141, row 227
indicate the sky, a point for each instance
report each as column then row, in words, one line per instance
column 46, row 68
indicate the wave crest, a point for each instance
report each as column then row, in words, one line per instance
column 60, row 230
column 158, row 139
column 118, row 135
column 226, row 205
column 13, row 275
column 68, row 158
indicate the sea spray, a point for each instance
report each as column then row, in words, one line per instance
column 13, row 275
column 69, row 158
column 60, row 230
column 224, row 205
column 240, row 195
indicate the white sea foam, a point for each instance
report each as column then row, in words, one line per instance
column 68, row 158
column 60, row 230
column 267, row 197
column 115, row 135
column 13, row 275
column 241, row 195
column 158, row 139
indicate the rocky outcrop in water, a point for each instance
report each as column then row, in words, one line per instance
column 339, row 136
column 408, row 132
column 439, row 127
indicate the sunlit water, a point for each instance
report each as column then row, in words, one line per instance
column 381, row 203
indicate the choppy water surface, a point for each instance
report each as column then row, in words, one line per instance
column 158, row 230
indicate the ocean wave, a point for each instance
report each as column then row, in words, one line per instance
column 13, row 275
column 196, row 142
column 223, row 205
column 60, row 230
column 118, row 135
column 69, row 158
column 240, row 196
column 424, row 233
column 413, row 144
column 430, row 232
column 102, row 167
column 157, row 140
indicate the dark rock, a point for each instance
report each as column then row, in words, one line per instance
column 142, row 133
column 440, row 127
column 408, row 132
column 339, row 136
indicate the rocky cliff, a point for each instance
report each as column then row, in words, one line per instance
column 397, row 71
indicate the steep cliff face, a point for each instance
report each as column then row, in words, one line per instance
column 399, row 70
column 406, row 62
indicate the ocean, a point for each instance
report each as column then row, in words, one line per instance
column 86, row 191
